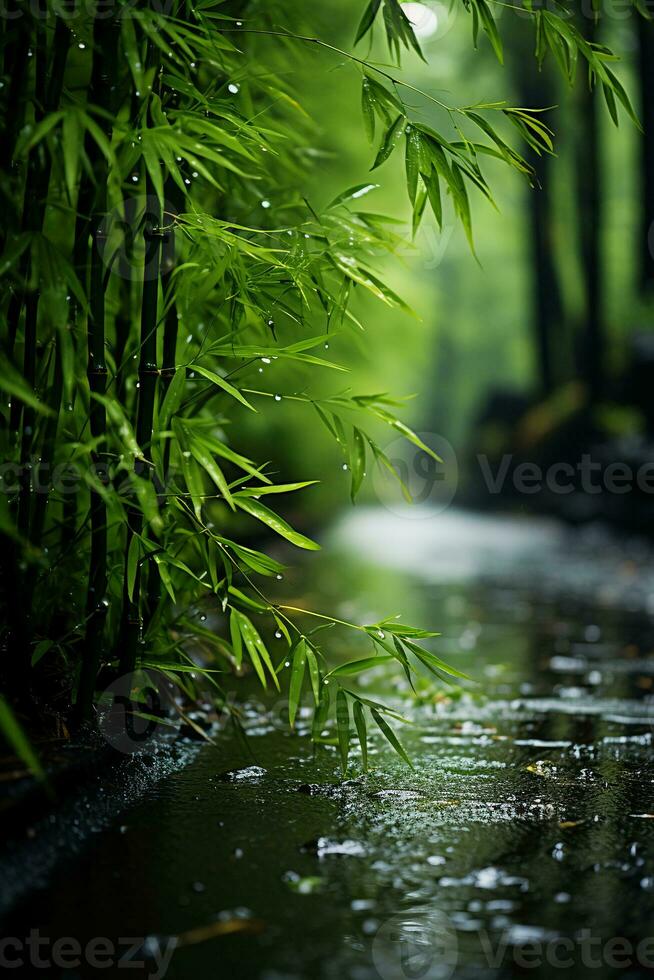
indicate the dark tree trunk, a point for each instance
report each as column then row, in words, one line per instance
column 537, row 89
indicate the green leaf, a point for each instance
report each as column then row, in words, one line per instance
column 222, row 383
column 368, row 109
column 433, row 662
column 13, row 383
column 133, row 555
column 17, row 739
column 405, row 430
column 357, row 462
column 368, row 19
column 40, row 651
column 237, row 640
column 343, row 727
column 432, row 183
column 360, row 725
column 31, row 134
column 209, row 465
column 274, row 488
column 391, row 139
column 297, row 676
column 490, row 27
column 276, row 523
column 418, row 207
column 412, row 161
column 321, row 713
column 357, row 666
column 390, row 736
column 173, row 398
column 256, row 649
column 71, row 144
column 352, row 194
column 314, row 674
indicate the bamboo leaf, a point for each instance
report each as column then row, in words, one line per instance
column 343, row 727
column 368, row 19
column 276, row 523
column 314, row 674
column 321, row 713
column 297, row 677
column 360, row 725
column 237, row 640
column 391, row 138
column 357, row 462
column 390, row 736
column 357, row 666
column 222, row 383
column 17, row 739
column 133, row 555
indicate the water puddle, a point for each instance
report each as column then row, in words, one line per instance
column 522, row 843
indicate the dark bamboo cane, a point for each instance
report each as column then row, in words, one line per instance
column 47, row 95
column 148, row 374
column 104, row 66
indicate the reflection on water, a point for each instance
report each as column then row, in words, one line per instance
column 521, row 844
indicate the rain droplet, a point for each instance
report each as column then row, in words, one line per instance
column 279, row 577
column 278, row 398
column 265, row 360
column 265, row 204
column 233, row 88
column 278, row 635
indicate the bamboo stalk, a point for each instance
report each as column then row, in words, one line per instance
column 105, row 37
column 148, row 374
column 171, row 324
column 97, row 377
column 47, row 94
column 44, row 470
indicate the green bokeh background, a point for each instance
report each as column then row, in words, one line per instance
column 471, row 331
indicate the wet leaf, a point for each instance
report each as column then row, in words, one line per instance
column 297, row 676
column 360, row 725
column 343, row 727
column 390, row 736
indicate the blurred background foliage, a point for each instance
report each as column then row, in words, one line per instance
column 477, row 328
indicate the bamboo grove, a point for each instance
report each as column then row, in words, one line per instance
column 156, row 250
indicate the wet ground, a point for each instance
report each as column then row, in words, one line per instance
column 521, row 845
